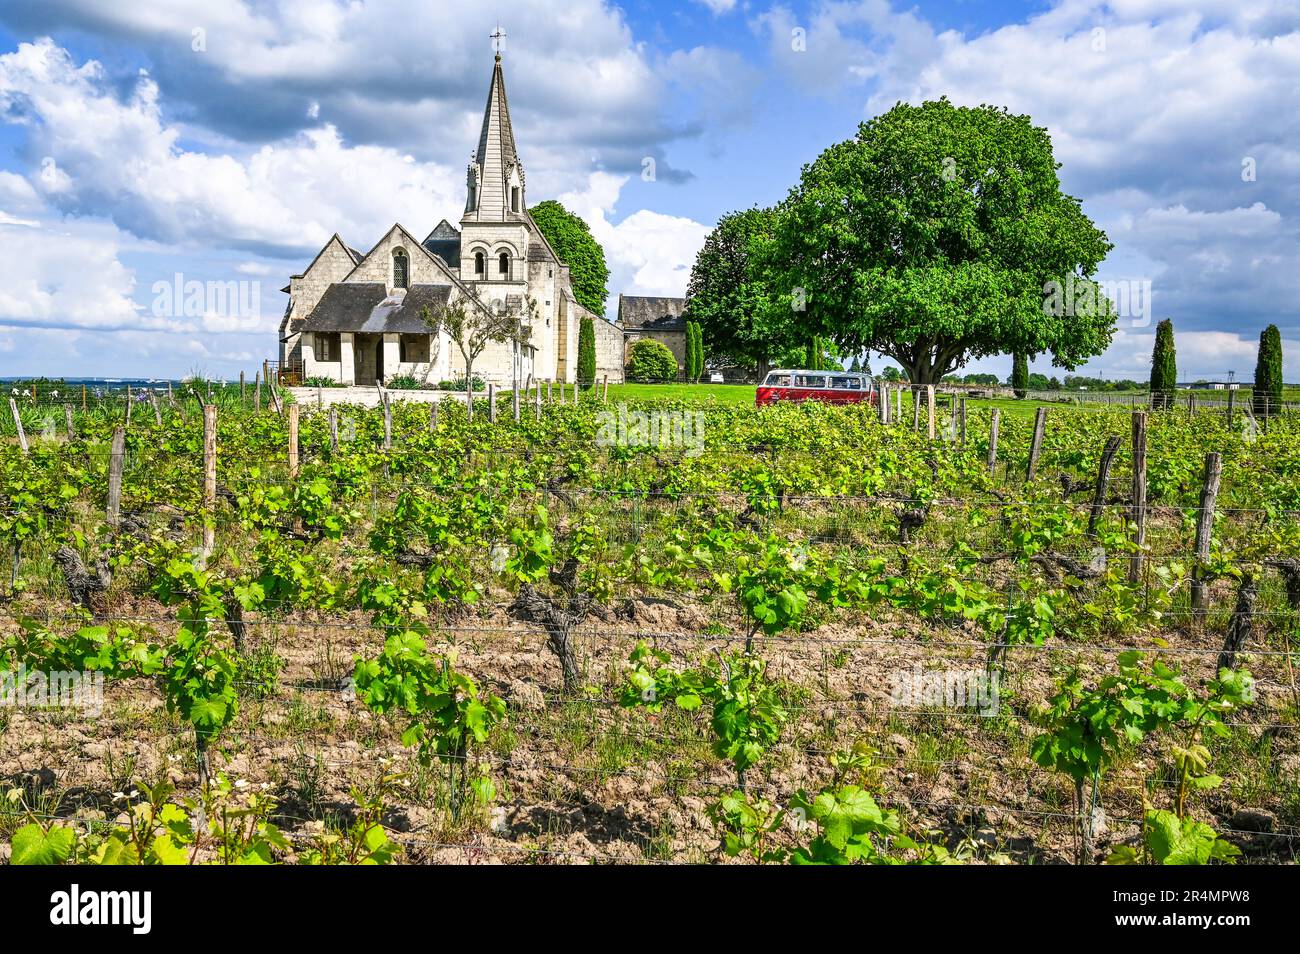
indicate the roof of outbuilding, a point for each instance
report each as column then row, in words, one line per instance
column 366, row 307
column 638, row 313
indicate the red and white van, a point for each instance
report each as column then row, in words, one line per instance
column 833, row 387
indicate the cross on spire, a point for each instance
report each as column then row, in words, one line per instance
column 497, row 36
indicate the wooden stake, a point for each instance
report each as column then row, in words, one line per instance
column 1232, row 399
column 67, row 417
column 930, row 409
column 209, row 478
column 1139, row 507
column 1204, row 527
column 604, row 397
column 257, row 394
column 293, row 440
column 1103, row 482
column 995, row 421
column 116, row 457
column 961, row 415
column 334, row 430
column 537, row 402
column 433, row 416
column 157, row 408
column 18, row 424
column 548, row 390
column 129, row 402
column 388, row 423
column 492, row 403
column 1036, row 447
column 916, row 411
column 514, row 403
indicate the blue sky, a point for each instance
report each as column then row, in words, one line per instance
column 152, row 147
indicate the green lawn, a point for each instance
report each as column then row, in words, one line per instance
column 722, row 393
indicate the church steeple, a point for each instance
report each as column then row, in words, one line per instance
column 496, row 177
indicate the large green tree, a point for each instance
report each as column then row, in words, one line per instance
column 1164, row 367
column 731, row 298
column 940, row 234
column 577, row 248
column 1268, row 372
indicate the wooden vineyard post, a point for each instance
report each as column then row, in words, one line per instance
column 116, row 455
column 994, row 422
column 433, row 416
column 1103, row 481
column 128, row 405
column 1036, row 447
column 916, row 410
column 961, row 429
column 334, row 430
column 157, row 408
column 1232, row 399
column 548, row 390
column 171, row 398
column 1138, row 513
column 209, row 478
column 257, row 393
column 882, row 399
column 243, row 394
column 1204, row 527
column 67, row 417
column 18, row 425
column 492, row 403
column 514, row 402
column 953, row 413
column 929, row 411
column 275, row 398
column 898, row 403
column 604, row 395
column 293, row 439
column 537, row 402
column 388, row 423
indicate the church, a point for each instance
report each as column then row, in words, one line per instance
column 364, row 318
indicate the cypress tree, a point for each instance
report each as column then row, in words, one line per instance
column 1020, row 374
column 587, row 353
column 1164, row 367
column 1268, row 371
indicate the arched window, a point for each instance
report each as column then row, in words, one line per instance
column 401, row 269
column 503, row 264
column 480, row 264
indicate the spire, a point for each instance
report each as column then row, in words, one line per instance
column 496, row 162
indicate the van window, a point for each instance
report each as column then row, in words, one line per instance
column 809, row 381
column 775, row 380
column 846, row 384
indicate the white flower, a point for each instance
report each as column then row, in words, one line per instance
column 499, row 557
column 241, row 783
column 798, row 560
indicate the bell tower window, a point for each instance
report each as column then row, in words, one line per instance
column 503, row 264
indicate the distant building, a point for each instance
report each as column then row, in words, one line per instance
column 657, row 318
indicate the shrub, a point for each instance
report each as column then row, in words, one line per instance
column 587, row 353
column 321, row 381
column 1268, row 371
column 1164, row 367
column 458, row 384
column 404, row 382
column 650, row 360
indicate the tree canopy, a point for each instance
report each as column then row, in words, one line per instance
column 940, row 234
column 731, row 299
column 578, row 249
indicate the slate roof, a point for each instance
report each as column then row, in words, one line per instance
column 444, row 241
column 637, row 313
column 365, row 307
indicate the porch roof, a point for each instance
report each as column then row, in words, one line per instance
column 366, row 307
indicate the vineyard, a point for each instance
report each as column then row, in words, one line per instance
column 409, row 635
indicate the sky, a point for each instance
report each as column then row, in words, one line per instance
column 166, row 165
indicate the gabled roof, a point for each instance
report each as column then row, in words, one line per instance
column 444, row 241
column 408, row 240
column 638, row 313
column 367, row 307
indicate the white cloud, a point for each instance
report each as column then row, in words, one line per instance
column 119, row 156
column 648, row 253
